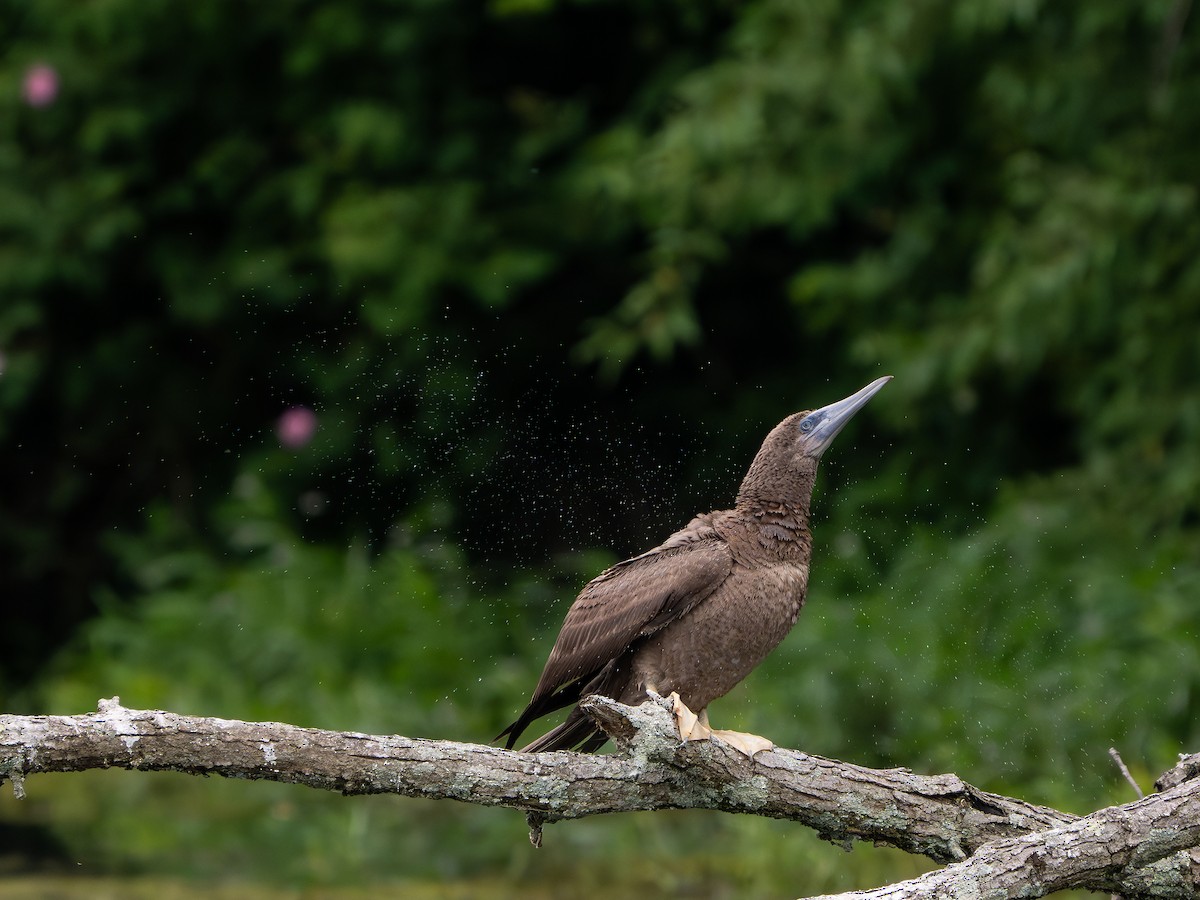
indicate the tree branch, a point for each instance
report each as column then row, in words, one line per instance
column 1127, row 849
column 1090, row 852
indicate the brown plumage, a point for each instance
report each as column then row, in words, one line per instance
column 696, row 614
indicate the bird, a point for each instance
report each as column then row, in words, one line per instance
column 692, row 617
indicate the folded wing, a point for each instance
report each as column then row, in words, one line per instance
column 623, row 605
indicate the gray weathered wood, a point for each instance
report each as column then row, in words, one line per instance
column 1131, row 849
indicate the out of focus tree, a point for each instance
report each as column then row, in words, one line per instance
column 542, row 274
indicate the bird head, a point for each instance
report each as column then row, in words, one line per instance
column 816, row 429
column 786, row 466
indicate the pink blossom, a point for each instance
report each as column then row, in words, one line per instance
column 296, row 427
column 40, row 86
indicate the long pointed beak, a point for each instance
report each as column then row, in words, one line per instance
column 821, row 426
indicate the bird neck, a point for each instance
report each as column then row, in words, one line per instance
column 786, row 513
column 778, row 521
column 778, row 489
column 774, row 498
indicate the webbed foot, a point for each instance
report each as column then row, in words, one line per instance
column 691, row 726
column 748, row 744
column 696, row 728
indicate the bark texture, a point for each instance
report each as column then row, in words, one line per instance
column 997, row 846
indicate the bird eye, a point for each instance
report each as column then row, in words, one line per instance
column 807, row 425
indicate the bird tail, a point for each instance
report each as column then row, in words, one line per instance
column 576, row 732
column 538, row 707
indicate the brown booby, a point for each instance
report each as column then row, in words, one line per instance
column 693, row 617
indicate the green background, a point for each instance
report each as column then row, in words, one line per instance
column 547, row 272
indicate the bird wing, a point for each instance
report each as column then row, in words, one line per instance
column 636, row 598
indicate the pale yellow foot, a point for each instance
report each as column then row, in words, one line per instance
column 746, row 743
column 696, row 728
column 691, row 727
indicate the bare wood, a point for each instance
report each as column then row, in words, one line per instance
column 939, row 816
column 1090, row 852
column 1186, row 769
column 1120, row 764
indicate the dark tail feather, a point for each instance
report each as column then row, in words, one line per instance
column 539, row 707
column 577, row 731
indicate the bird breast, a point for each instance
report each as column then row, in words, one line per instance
column 707, row 652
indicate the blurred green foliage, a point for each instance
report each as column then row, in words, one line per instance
column 547, row 272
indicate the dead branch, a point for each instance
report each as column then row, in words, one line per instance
column 995, row 840
column 1089, row 852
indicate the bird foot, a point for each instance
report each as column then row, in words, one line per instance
column 748, row 744
column 696, row 728
column 691, row 726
